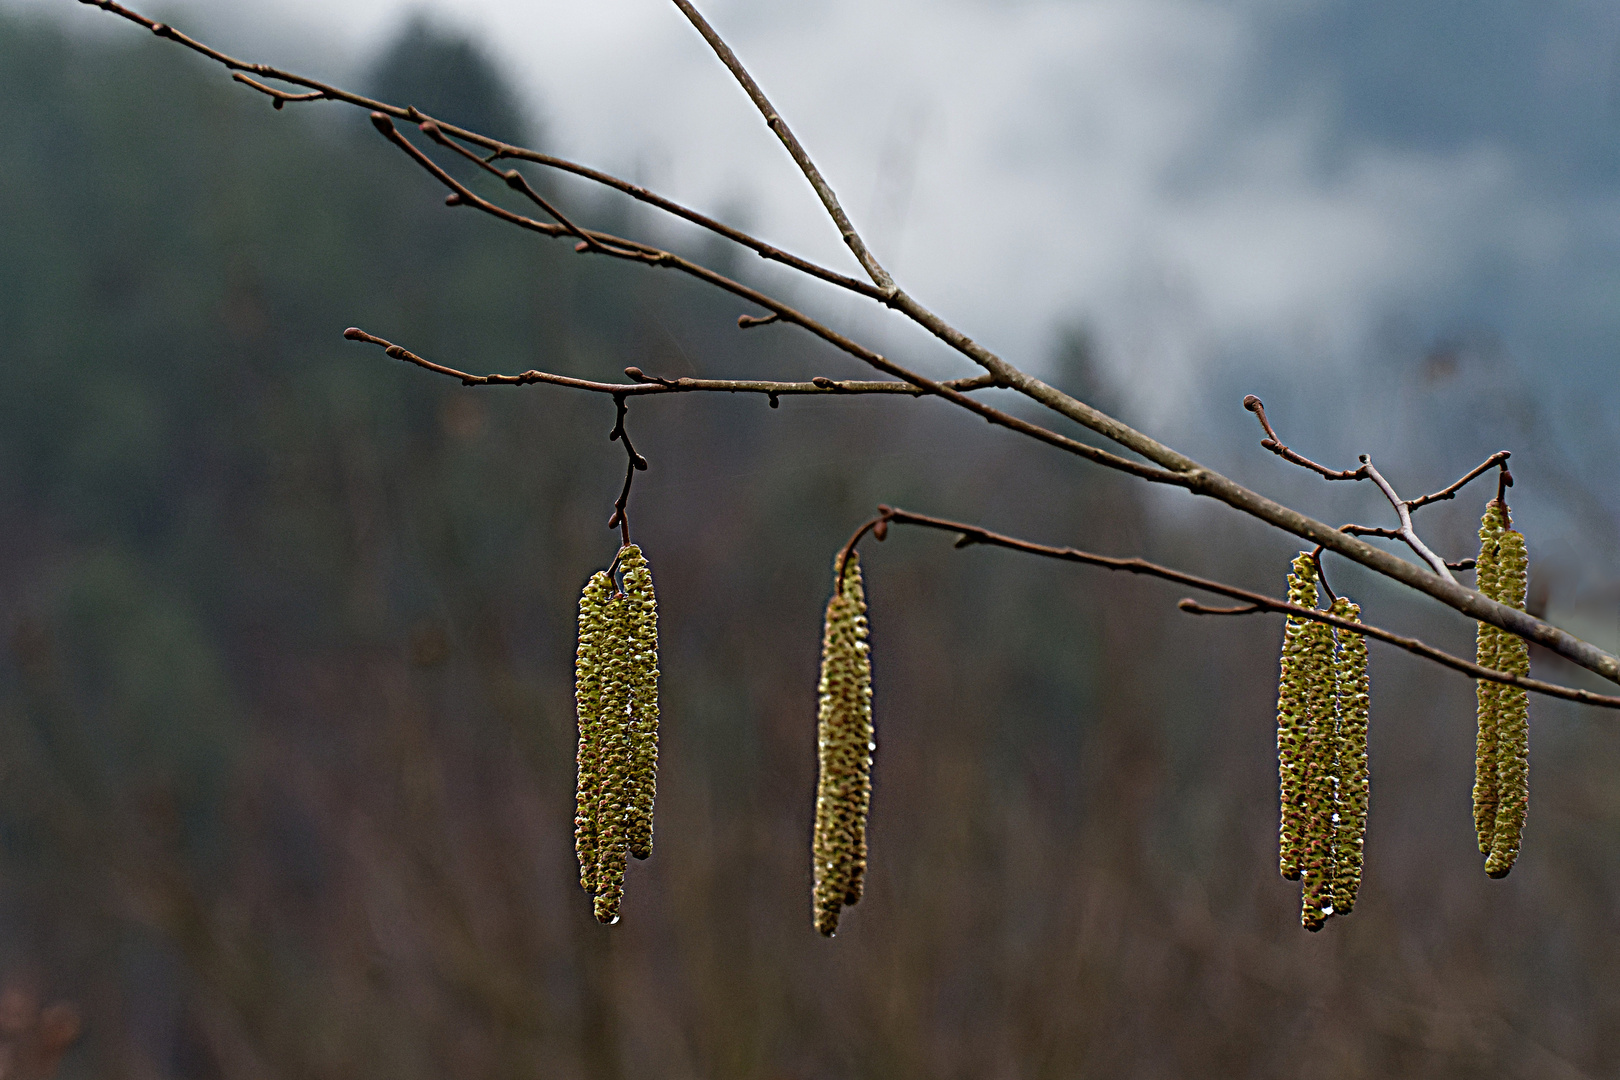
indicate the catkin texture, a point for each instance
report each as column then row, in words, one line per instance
column 844, row 743
column 1488, row 644
column 588, row 667
column 1513, row 714
column 642, row 720
column 1319, row 779
column 616, row 756
column 1292, row 690
column 1350, row 690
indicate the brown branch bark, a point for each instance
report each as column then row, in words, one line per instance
column 1497, row 460
column 644, row 385
column 617, row 247
column 1252, row 602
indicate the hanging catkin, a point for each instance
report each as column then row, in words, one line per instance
column 1292, row 689
column 1319, row 777
column 615, row 754
column 1350, row 690
column 643, row 678
column 1488, row 642
column 588, row 666
column 1513, row 712
column 844, row 741
column 616, row 695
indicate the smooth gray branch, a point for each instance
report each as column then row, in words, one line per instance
column 1404, row 512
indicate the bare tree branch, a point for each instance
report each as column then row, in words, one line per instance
column 617, row 247
column 1202, row 481
column 880, row 277
column 1173, row 467
column 1496, row 460
column 1404, row 512
column 644, row 385
column 1252, row 602
column 1276, row 446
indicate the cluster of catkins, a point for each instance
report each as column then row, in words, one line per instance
column 844, row 792
column 1322, row 710
column 616, row 693
column 1502, row 757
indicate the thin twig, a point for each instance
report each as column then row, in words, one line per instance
column 1366, row 472
column 1404, row 512
column 636, row 463
column 617, row 247
column 498, row 149
column 1254, row 602
column 517, row 182
column 278, row 98
column 1498, row 459
column 1275, row 445
column 1395, row 534
column 1371, row 530
column 878, row 527
column 880, row 277
column 645, row 385
column 1321, row 575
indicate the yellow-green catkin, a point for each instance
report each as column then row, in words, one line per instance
column 1350, row 690
column 616, row 756
column 844, row 742
column 616, row 694
column 1293, row 684
column 1488, row 643
column 642, row 720
column 1513, row 712
column 588, row 666
column 1319, row 777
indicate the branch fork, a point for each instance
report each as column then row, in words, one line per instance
column 1403, row 507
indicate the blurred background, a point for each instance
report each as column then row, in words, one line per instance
column 286, row 718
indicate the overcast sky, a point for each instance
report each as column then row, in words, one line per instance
column 1265, row 179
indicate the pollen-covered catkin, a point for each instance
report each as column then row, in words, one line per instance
column 1488, row 643
column 844, row 743
column 1513, row 715
column 1318, row 788
column 1293, row 683
column 588, row 666
column 616, row 756
column 642, row 646
column 1350, row 689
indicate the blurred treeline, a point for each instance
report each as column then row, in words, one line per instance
column 286, row 733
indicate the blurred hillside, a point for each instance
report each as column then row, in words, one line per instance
column 286, row 729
